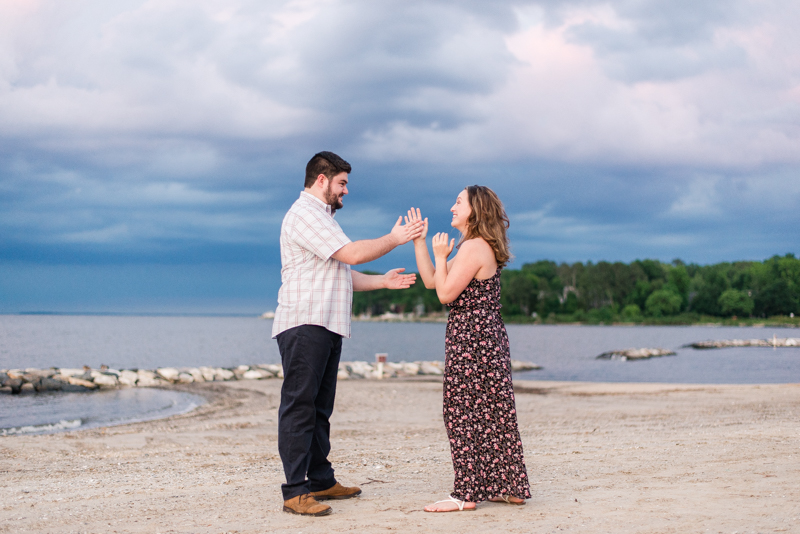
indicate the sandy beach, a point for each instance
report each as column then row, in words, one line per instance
column 601, row 458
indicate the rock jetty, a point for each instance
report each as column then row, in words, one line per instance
column 634, row 354
column 87, row 379
column 774, row 342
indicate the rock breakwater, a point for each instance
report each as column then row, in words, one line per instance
column 88, row 379
column 726, row 343
column 634, row 354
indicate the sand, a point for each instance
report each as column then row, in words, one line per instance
column 601, row 458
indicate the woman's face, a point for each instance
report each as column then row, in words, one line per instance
column 461, row 212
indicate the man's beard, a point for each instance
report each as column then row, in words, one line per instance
column 332, row 200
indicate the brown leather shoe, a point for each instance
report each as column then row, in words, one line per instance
column 306, row 505
column 336, row 492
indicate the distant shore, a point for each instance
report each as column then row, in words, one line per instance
column 677, row 320
column 645, row 458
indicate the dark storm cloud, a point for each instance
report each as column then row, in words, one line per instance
column 175, row 134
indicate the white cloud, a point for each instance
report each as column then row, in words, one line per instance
column 564, row 100
column 134, row 119
column 111, row 234
column 700, row 199
column 417, row 82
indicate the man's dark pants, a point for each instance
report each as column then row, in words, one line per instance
column 310, row 356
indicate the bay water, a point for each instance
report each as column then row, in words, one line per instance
column 566, row 352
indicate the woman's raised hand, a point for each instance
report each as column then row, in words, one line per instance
column 441, row 248
column 413, row 216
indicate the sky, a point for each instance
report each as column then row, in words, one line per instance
column 149, row 149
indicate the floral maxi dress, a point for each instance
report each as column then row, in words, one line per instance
column 479, row 411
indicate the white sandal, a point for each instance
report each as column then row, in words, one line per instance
column 459, row 503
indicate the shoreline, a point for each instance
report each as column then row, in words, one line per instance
column 705, row 321
column 16, row 381
column 602, row 457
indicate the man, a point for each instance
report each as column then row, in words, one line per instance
column 313, row 315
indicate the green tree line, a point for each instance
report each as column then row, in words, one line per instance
column 640, row 291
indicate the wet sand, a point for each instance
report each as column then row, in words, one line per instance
column 601, row 458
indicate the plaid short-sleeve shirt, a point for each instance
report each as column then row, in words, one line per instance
column 315, row 288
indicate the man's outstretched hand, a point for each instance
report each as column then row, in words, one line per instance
column 403, row 233
column 394, row 280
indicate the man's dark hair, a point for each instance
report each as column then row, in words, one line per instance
column 326, row 163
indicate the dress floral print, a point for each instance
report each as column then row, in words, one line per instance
column 479, row 411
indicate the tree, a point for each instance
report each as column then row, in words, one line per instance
column 570, row 304
column 736, row 302
column 776, row 285
column 678, row 280
column 662, row 303
column 596, row 285
column 519, row 291
column 542, row 269
column 652, row 269
column 775, row 299
column 631, row 312
column 710, row 283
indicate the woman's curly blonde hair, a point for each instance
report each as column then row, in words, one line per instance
column 489, row 221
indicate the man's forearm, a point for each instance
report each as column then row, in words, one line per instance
column 366, row 282
column 365, row 250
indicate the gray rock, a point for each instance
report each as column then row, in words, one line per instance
column 15, row 373
column 239, row 371
column 128, row 378
column 208, row 373
column 88, row 384
column 146, row 379
column 359, row 369
column 271, row 367
column 106, row 381
column 634, row 354
column 257, row 374
column 223, row 374
column 50, row 384
column 31, row 379
column 168, row 373
column 430, row 368
column 185, row 378
column 197, row 374
column 87, row 375
column 14, row 383
column 518, row 366
column 411, row 368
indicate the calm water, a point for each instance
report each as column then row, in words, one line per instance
column 56, row 412
column 565, row 352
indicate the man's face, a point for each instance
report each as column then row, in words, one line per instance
column 337, row 188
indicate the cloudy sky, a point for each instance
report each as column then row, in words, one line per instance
column 149, row 149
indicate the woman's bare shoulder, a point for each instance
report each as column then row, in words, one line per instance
column 480, row 252
column 476, row 244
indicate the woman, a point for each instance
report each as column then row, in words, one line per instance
column 479, row 412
